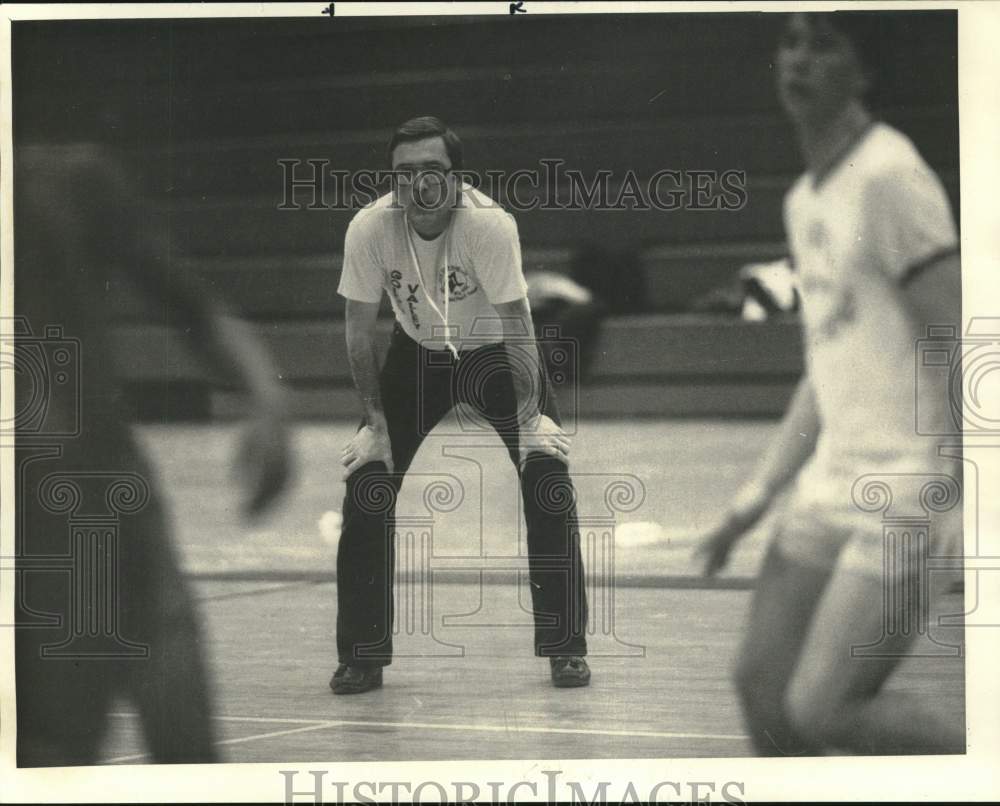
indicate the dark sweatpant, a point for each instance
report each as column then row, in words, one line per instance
column 419, row 387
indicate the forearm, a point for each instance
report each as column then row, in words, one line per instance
column 791, row 447
column 523, row 357
column 363, row 358
column 228, row 345
column 527, row 382
column 237, row 352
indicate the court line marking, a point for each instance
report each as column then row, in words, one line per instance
column 535, row 729
column 272, row 587
column 242, row 739
column 258, row 719
column 472, row 575
column 313, row 725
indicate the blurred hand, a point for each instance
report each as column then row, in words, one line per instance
column 541, row 435
column 263, row 462
column 714, row 547
column 370, row 444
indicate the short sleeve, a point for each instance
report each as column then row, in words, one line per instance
column 497, row 261
column 908, row 220
column 362, row 275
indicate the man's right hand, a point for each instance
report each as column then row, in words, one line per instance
column 370, row 444
column 541, row 434
column 714, row 547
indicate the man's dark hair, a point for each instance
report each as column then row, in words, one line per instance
column 867, row 31
column 423, row 128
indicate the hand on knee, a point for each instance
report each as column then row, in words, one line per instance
column 542, row 436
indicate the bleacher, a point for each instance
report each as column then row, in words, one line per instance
column 208, row 109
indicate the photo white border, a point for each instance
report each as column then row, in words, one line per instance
column 975, row 776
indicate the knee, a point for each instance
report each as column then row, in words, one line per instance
column 762, row 688
column 542, row 464
column 743, row 676
column 371, row 490
column 814, row 713
column 752, row 681
column 546, row 487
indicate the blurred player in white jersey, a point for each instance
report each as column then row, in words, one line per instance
column 876, row 250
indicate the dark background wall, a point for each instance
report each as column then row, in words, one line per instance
column 205, row 109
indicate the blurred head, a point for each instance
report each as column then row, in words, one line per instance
column 425, row 156
column 826, row 61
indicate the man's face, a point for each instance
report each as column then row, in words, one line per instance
column 819, row 72
column 425, row 184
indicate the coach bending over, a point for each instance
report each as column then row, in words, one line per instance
column 433, row 233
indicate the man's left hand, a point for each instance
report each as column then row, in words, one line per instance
column 541, row 434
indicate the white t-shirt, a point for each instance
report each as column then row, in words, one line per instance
column 876, row 218
column 482, row 253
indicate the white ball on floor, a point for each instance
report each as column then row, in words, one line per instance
column 329, row 526
column 639, row 533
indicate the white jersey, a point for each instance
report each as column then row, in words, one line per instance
column 856, row 237
column 479, row 254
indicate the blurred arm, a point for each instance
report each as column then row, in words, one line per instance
column 787, row 452
column 135, row 239
column 781, row 462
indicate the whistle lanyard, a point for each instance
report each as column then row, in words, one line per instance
column 420, row 280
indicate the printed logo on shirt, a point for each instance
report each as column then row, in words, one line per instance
column 839, row 308
column 461, row 284
column 396, row 286
column 412, row 301
column 816, row 234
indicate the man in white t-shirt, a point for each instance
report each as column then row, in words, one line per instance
column 876, row 251
column 450, row 260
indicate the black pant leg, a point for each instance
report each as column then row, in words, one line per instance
column 555, row 564
column 365, row 559
column 414, row 397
